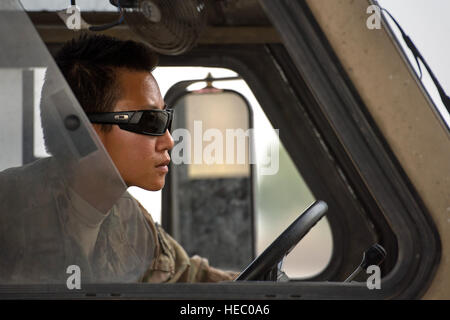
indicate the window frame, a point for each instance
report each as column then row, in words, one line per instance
column 418, row 239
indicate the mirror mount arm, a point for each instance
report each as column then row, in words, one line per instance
column 180, row 88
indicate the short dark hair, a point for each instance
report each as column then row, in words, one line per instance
column 90, row 63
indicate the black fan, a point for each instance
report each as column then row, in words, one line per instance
column 169, row 26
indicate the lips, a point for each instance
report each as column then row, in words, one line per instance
column 164, row 163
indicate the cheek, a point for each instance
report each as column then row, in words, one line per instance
column 133, row 154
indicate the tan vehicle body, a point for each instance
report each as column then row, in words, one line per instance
column 404, row 114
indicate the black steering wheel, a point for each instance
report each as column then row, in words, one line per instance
column 285, row 242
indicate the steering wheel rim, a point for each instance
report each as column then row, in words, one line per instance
column 284, row 243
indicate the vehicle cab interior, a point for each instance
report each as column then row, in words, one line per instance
column 346, row 160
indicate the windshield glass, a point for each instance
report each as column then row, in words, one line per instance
column 52, row 167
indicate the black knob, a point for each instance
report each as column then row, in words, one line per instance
column 375, row 255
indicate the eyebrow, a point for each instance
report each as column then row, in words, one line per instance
column 152, row 107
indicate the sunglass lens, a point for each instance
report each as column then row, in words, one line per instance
column 154, row 122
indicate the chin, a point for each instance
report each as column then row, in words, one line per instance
column 154, row 186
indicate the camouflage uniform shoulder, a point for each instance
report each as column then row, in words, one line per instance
column 22, row 187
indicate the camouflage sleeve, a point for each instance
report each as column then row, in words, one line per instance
column 172, row 264
column 201, row 271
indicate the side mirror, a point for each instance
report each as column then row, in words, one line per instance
column 208, row 198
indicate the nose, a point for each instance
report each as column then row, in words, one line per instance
column 165, row 142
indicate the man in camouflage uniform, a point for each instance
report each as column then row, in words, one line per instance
column 46, row 224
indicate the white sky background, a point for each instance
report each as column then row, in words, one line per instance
column 428, row 25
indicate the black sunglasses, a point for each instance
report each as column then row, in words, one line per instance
column 152, row 122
